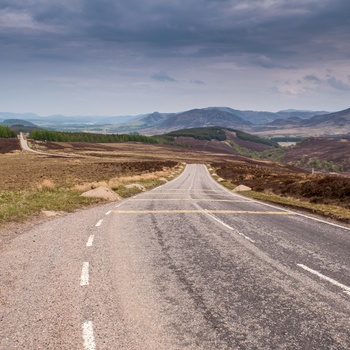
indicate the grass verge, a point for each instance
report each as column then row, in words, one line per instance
column 19, row 205
column 16, row 206
column 331, row 211
column 126, row 192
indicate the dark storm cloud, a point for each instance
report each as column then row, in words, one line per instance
column 268, row 29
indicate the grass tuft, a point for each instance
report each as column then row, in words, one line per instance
column 46, row 185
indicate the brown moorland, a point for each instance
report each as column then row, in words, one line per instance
column 95, row 163
column 9, row 145
column 335, row 150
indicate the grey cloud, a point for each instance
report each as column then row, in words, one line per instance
column 269, row 30
column 198, row 82
column 163, row 77
column 134, row 38
column 266, row 62
column 313, row 78
column 330, row 81
column 338, row 84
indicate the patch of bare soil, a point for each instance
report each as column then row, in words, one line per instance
column 9, row 145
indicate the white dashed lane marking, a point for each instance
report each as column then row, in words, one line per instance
column 84, row 279
column 88, row 336
column 99, row 223
column 90, row 241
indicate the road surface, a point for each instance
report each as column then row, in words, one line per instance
column 188, row 265
column 25, row 147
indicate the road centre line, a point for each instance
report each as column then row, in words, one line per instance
column 88, row 336
column 99, row 223
column 90, row 241
column 345, row 288
column 84, row 279
column 194, row 211
column 108, row 212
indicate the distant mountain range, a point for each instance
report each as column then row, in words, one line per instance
column 286, row 122
column 337, row 123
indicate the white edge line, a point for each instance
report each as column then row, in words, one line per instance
column 279, row 208
column 88, row 336
column 99, row 223
column 84, row 279
column 331, row 280
column 90, row 241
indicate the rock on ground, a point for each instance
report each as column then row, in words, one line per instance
column 140, row 187
column 241, row 188
column 102, row 192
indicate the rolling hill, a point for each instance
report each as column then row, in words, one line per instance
column 337, row 123
column 269, row 124
column 12, row 122
column 320, row 153
column 250, row 121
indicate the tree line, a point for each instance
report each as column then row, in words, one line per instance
column 59, row 136
column 6, row 132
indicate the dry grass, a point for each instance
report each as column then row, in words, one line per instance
column 32, row 183
column 46, row 185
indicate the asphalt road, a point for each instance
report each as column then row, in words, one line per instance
column 188, row 265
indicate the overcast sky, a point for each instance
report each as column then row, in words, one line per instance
column 126, row 57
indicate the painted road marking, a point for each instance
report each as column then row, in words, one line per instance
column 99, row 223
column 88, row 336
column 194, row 211
column 185, row 191
column 192, row 199
column 209, row 193
column 229, row 227
column 302, row 215
column 90, row 241
column 108, row 212
column 345, row 288
column 84, row 279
